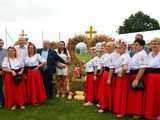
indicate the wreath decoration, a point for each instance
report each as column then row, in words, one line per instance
column 72, row 42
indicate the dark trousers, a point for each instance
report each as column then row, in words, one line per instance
column 1, row 92
column 47, row 79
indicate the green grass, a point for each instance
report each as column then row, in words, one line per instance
column 57, row 109
column 85, row 56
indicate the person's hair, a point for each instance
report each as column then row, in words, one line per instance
column 11, row 47
column 156, row 39
column 34, row 47
column 121, row 43
column 53, row 45
column 93, row 49
column 64, row 49
column 140, row 36
column 1, row 40
column 141, row 42
column 110, row 44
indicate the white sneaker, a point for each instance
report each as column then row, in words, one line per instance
column 57, row 96
column 98, row 105
column 101, row 111
column 63, row 96
column 14, row 107
column 22, row 107
column 69, row 97
column 119, row 116
column 88, row 104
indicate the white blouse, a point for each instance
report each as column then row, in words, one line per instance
column 124, row 59
column 112, row 59
column 139, row 60
column 94, row 62
column 154, row 62
column 105, row 60
column 34, row 60
column 62, row 71
column 63, row 55
column 15, row 63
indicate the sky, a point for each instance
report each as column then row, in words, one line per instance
column 65, row 18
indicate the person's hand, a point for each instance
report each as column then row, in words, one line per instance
column 120, row 74
column 108, row 81
column 67, row 62
column 60, row 65
column 125, row 67
column 95, row 77
column 20, row 72
column 134, row 83
column 13, row 73
column 37, row 67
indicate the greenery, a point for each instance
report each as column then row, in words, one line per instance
column 85, row 56
column 57, row 109
column 138, row 22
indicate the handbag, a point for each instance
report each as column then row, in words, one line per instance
column 17, row 78
column 140, row 85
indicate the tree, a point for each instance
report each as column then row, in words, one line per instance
column 138, row 22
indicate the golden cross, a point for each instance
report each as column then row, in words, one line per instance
column 22, row 35
column 90, row 32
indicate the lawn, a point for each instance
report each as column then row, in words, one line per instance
column 57, row 109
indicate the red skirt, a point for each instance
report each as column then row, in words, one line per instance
column 14, row 94
column 97, row 85
column 106, row 92
column 35, row 88
column 120, row 97
column 135, row 99
column 89, row 87
column 152, row 96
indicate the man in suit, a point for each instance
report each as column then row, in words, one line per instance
column 47, row 71
column 3, row 54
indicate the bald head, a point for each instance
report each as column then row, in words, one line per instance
column 21, row 42
column 46, row 44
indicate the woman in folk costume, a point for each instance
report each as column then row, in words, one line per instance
column 91, row 69
column 14, row 84
column 35, row 88
column 101, row 53
column 122, row 79
column 152, row 83
column 62, row 74
column 135, row 91
column 104, row 91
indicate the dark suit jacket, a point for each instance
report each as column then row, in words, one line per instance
column 52, row 59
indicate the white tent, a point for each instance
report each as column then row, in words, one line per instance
column 147, row 35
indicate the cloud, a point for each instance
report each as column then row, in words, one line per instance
column 70, row 16
column 12, row 10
